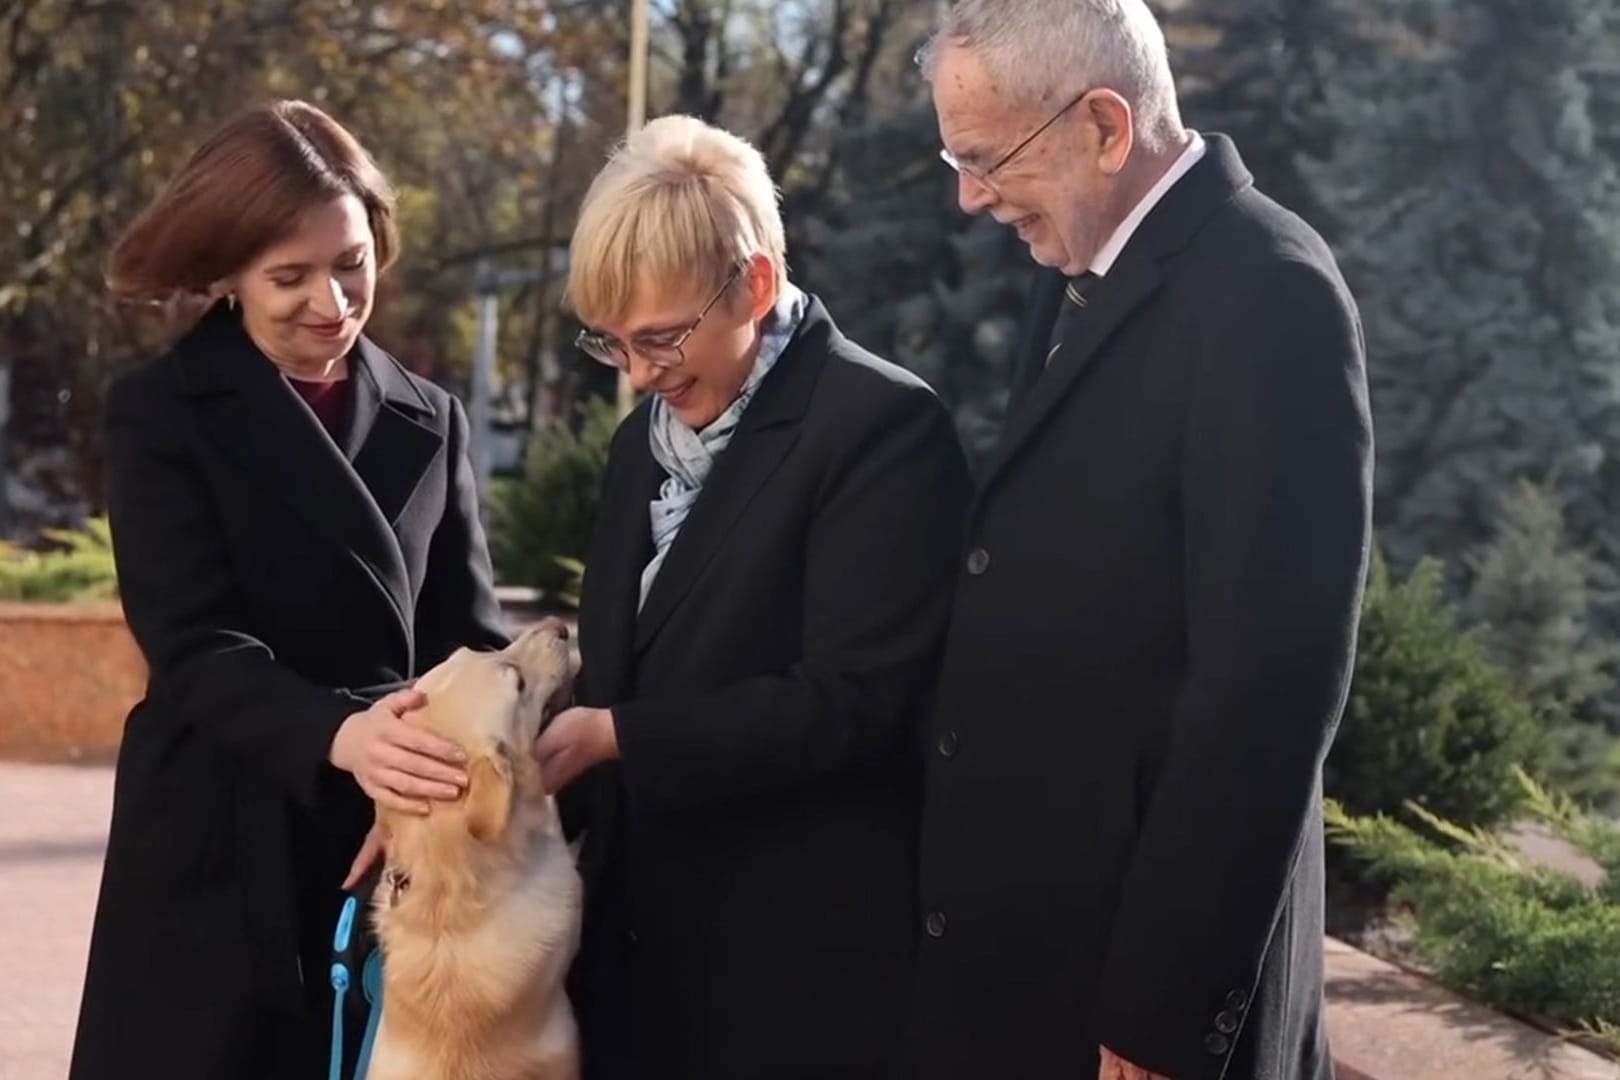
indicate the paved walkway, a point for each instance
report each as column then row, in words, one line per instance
column 1385, row 1024
column 53, row 825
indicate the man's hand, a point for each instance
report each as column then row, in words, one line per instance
column 575, row 740
column 1115, row 1067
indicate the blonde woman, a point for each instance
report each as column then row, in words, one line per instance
column 764, row 600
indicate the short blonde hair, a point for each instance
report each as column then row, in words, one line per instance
column 680, row 201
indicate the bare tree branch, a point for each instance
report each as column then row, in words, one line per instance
column 545, row 311
column 40, row 235
column 27, row 60
column 852, row 111
column 785, row 134
column 694, row 22
column 722, row 66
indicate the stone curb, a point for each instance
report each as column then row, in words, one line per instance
column 1387, row 1023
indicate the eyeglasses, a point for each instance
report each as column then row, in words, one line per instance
column 659, row 350
column 983, row 175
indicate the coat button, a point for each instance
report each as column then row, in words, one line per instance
column 1217, row 1043
column 935, row 924
column 1237, row 999
column 1226, row 1023
column 978, row 561
column 948, row 744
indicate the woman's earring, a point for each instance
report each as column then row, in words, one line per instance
column 230, row 300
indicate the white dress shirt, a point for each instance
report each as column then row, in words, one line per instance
column 1106, row 255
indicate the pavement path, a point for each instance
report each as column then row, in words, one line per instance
column 53, row 827
column 1384, row 1023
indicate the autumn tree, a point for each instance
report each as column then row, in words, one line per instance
column 101, row 102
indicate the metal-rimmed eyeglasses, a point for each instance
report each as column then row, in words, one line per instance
column 983, row 175
column 664, row 349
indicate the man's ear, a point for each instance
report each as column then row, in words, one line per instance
column 489, row 792
column 1111, row 115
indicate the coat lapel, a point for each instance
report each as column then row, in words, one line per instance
column 1111, row 302
column 1045, row 298
column 766, row 433
column 387, row 442
column 622, row 547
column 247, row 410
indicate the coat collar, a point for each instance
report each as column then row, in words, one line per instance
column 1168, row 228
column 352, row 493
column 766, row 433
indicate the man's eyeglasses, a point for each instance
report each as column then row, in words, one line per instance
column 983, row 175
column 664, row 349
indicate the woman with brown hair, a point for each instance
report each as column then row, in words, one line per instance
column 297, row 534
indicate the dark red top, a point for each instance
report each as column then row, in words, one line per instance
column 330, row 400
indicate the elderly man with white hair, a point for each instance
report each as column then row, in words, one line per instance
column 1121, row 870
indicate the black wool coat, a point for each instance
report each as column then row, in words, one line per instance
column 750, row 862
column 1154, row 623
column 276, row 582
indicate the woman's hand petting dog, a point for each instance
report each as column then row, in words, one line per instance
column 374, row 847
column 399, row 765
column 575, row 740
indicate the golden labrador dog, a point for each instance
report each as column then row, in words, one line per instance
column 478, row 907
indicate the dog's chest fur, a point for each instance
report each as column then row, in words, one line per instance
column 474, row 969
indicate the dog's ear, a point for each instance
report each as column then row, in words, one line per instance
column 489, row 792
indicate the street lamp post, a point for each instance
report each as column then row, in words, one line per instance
column 487, row 283
column 637, row 103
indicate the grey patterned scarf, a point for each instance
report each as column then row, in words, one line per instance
column 688, row 456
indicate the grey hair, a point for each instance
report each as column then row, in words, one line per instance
column 1041, row 52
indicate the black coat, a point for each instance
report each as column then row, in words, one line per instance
column 750, row 863
column 1150, row 650
column 269, row 576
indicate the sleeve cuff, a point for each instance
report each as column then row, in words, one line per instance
column 312, row 764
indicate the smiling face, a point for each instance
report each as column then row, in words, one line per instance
column 1060, row 192
column 718, row 354
column 306, row 298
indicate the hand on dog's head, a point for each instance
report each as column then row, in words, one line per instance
column 493, row 705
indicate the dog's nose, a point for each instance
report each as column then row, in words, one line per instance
column 552, row 624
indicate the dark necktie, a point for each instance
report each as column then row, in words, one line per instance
column 1072, row 309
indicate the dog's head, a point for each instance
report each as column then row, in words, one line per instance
column 493, row 704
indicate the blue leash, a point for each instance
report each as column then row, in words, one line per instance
column 371, row 981
column 342, row 980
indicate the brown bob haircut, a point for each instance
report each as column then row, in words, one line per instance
column 241, row 192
